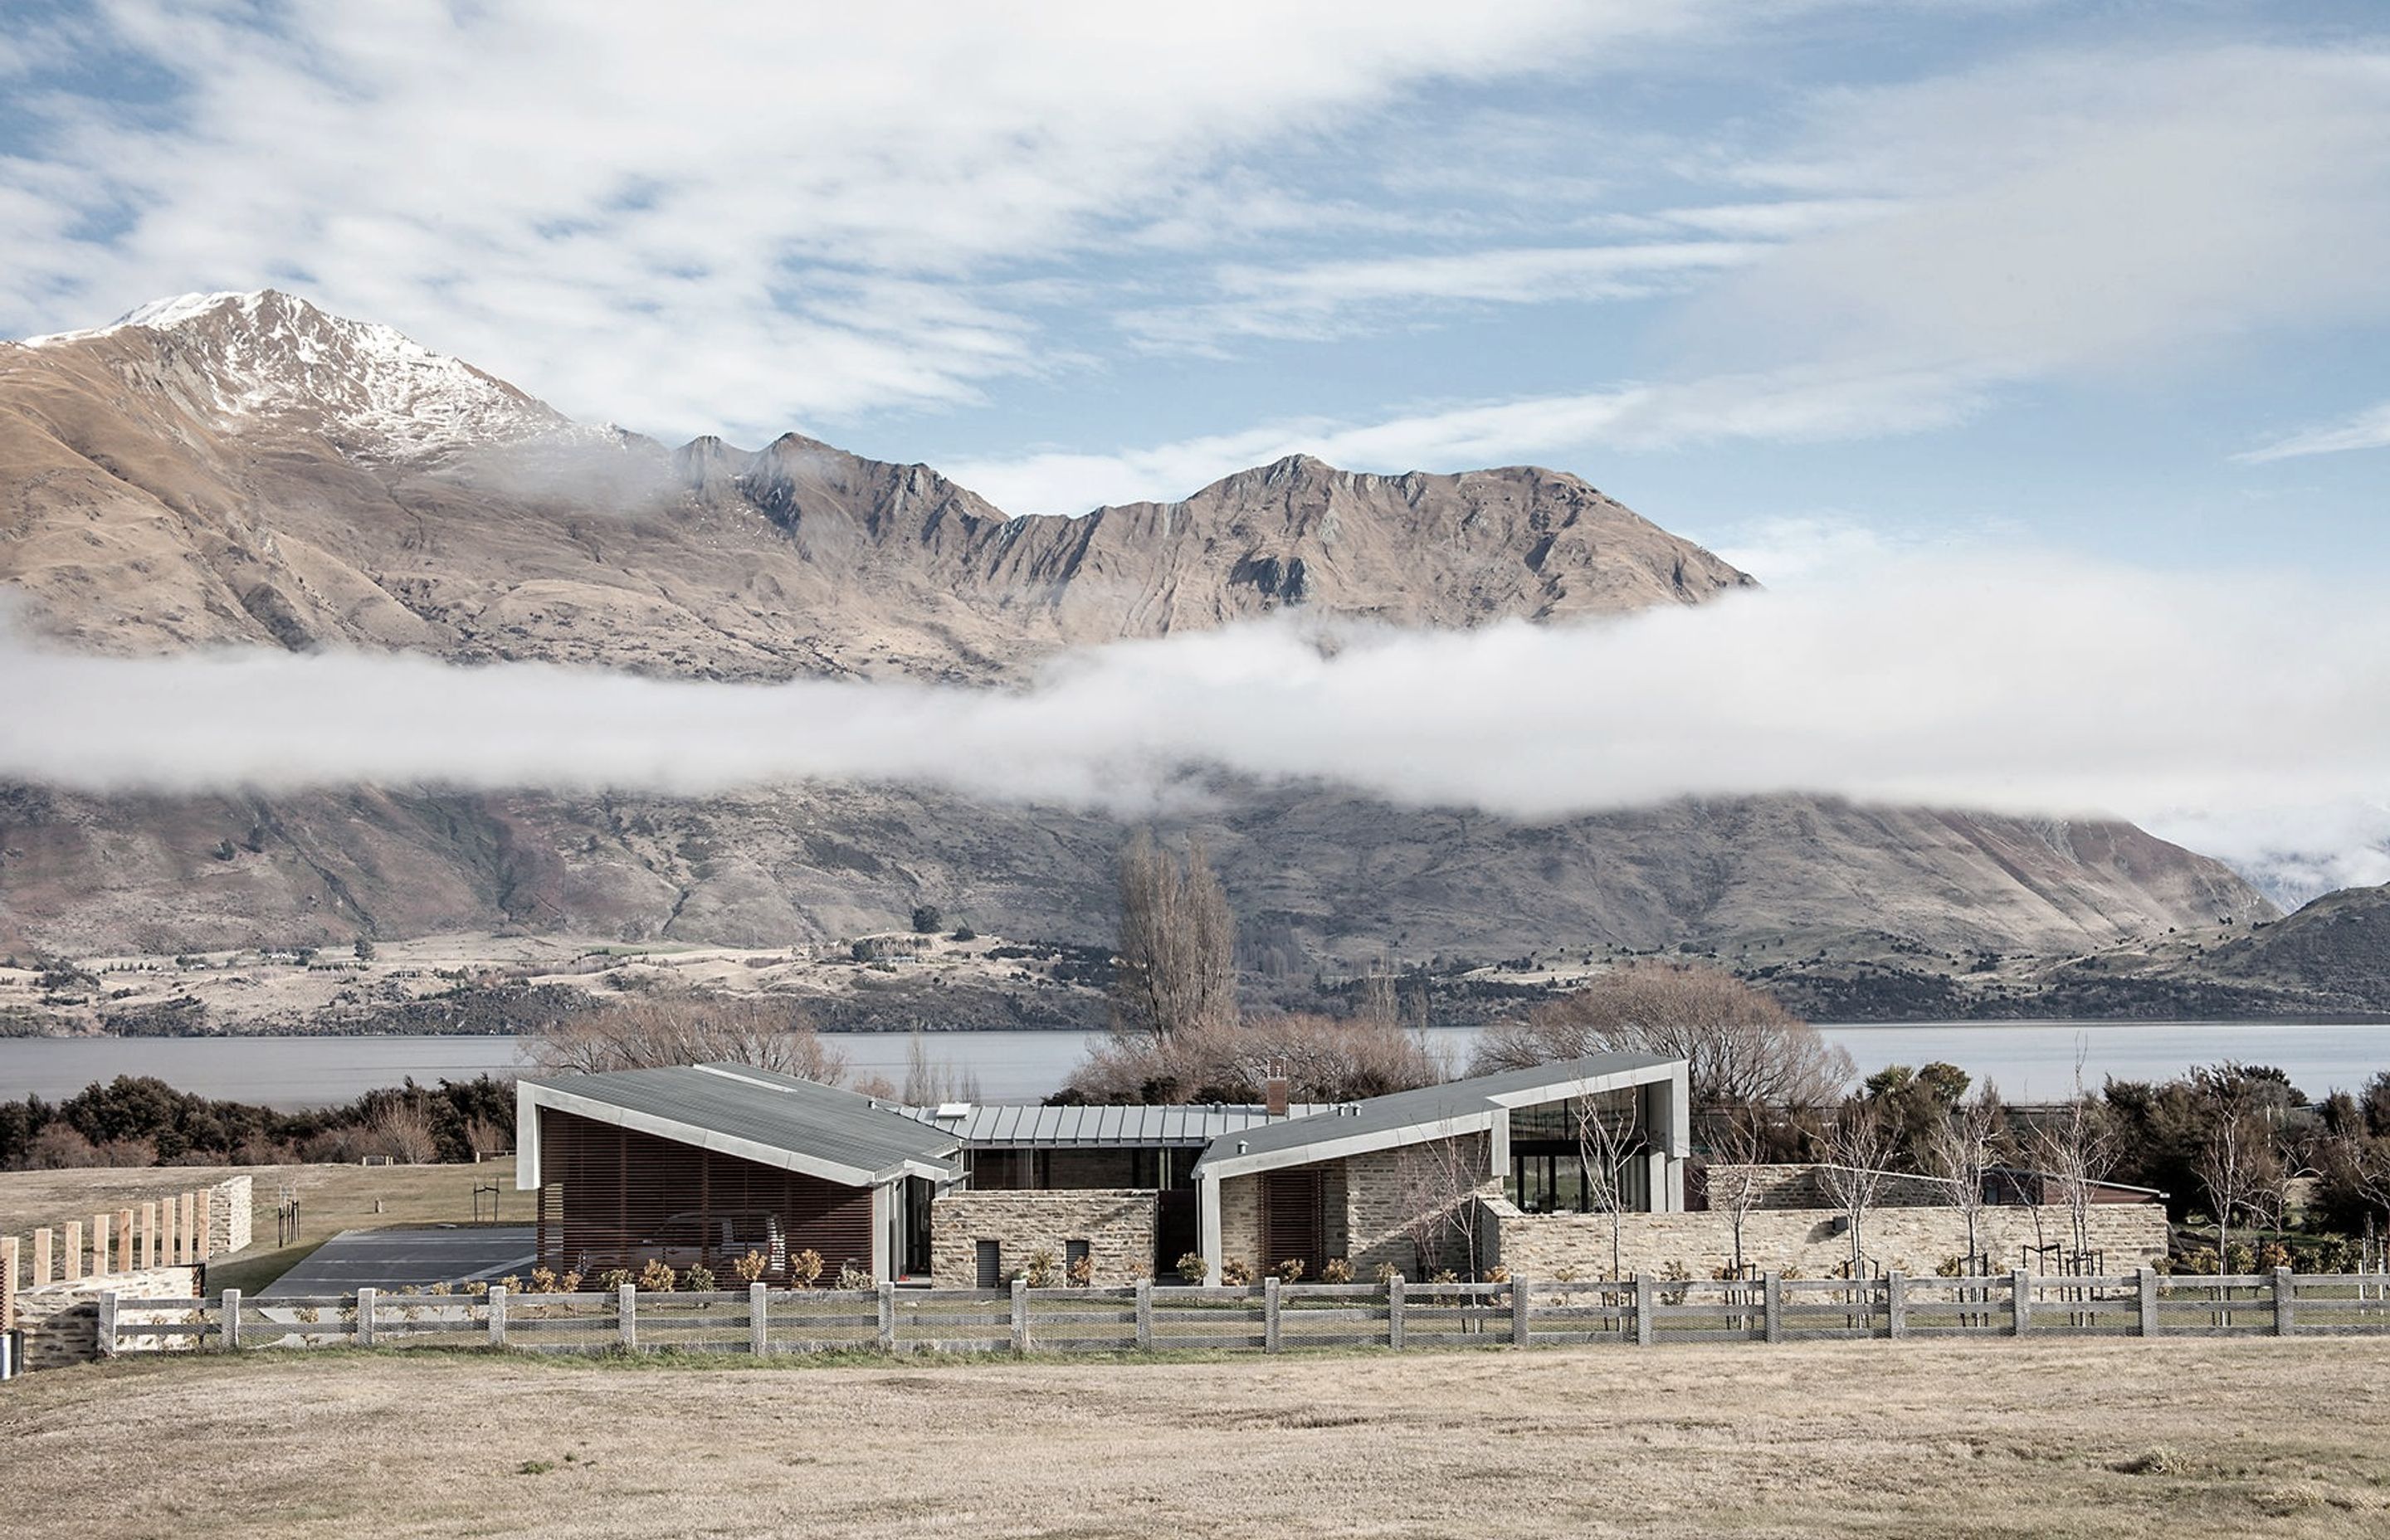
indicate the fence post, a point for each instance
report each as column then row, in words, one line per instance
column 70, row 1265
column 887, row 1318
column 759, row 1340
column 230, row 1308
column 7, row 1283
column 1145, row 1314
column 365, row 1298
column 495, row 1298
column 1522, row 1333
column 2285, row 1301
column 1643, row 1303
column 1394, row 1312
column 1020, row 1316
column 127, row 1259
column 626, row 1315
column 1269, row 1314
column 1896, row 1305
column 2020, row 1302
column 1771, row 1305
column 108, row 1324
column 2149, row 1281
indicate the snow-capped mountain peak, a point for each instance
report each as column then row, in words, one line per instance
column 271, row 357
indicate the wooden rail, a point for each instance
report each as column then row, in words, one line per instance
column 1270, row 1318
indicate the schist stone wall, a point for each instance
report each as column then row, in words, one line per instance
column 1116, row 1223
column 1811, row 1241
column 1810, row 1187
column 53, row 1277
column 61, row 1320
column 1367, row 1202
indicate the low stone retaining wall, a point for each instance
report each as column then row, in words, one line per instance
column 1810, row 1242
column 51, row 1279
column 61, row 1320
column 1118, row 1225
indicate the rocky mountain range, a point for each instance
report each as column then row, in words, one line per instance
column 247, row 470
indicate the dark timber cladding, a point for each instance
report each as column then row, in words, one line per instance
column 1292, row 1214
column 619, row 1197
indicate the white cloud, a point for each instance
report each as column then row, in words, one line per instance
column 2018, row 682
column 2365, row 429
column 2086, row 215
column 1787, row 406
column 773, row 213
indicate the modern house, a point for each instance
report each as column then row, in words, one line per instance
column 705, row 1163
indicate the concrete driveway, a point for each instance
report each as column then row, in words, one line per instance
column 392, row 1259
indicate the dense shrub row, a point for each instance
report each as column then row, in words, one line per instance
column 140, row 1120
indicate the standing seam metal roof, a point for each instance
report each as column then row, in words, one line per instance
column 1434, row 1104
column 1102, row 1127
column 780, row 1112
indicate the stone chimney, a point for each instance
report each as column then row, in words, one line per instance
column 1274, row 1091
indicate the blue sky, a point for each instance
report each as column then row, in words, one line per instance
column 2111, row 278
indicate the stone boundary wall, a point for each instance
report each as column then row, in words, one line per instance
column 61, row 1320
column 1808, row 1241
column 172, row 1230
column 1804, row 1187
column 1367, row 1199
column 1118, row 1223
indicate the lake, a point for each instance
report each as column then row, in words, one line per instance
column 2029, row 1062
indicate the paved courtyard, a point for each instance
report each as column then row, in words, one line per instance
column 392, row 1259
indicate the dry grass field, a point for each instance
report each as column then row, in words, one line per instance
column 2170, row 1439
column 331, row 1198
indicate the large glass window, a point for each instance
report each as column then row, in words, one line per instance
column 1551, row 1144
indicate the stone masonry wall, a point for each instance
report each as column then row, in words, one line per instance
column 1381, row 1190
column 61, row 1320
column 1804, row 1187
column 1912, row 1240
column 228, row 1216
column 1116, row 1223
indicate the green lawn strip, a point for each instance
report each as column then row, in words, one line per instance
column 251, row 1271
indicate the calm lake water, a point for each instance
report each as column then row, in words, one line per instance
column 2031, row 1062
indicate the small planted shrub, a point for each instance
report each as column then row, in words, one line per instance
column 613, row 1279
column 1043, row 1272
column 750, row 1269
column 1083, row 1272
column 1951, row 1268
column 1566, row 1273
column 543, row 1280
column 698, row 1279
column 441, row 1289
column 1497, row 1274
column 513, row 1285
column 1336, row 1270
column 658, row 1277
column 2274, row 1254
column 1237, row 1273
column 1193, row 1266
column 852, row 1276
column 2242, row 1258
column 1444, row 1274
column 1387, row 1273
column 570, row 1283
column 477, row 1288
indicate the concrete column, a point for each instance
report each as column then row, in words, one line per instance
column 1394, row 1312
column 1771, row 1305
column 186, row 1221
column 626, row 1315
column 497, row 1301
column 107, row 1335
column 1895, row 1304
column 203, row 1217
column 44, row 1268
column 229, row 1312
column 2148, row 1302
column 1523, row 1334
column 2020, row 1302
column 365, row 1298
column 1207, row 1225
column 1020, row 1316
column 1145, row 1313
column 759, row 1341
column 100, row 1245
column 1645, row 1298
column 127, row 1258
column 170, row 1235
column 2285, row 1302
column 149, row 1234
column 881, row 1210
column 71, row 1266
column 1269, row 1314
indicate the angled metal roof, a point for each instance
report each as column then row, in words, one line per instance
column 984, row 1128
column 774, row 1119
column 1430, row 1111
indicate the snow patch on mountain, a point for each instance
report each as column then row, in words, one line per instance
column 369, row 388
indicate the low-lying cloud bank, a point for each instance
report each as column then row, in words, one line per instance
column 2226, row 709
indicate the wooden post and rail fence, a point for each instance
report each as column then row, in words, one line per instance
column 1270, row 1318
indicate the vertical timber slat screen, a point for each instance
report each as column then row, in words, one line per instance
column 618, row 1197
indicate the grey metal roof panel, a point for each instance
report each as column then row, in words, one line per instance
column 1431, row 1104
column 780, row 1112
column 998, row 1127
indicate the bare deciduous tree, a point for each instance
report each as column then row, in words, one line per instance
column 1736, row 1146
column 1859, row 1145
column 1965, row 1150
column 1437, row 1183
column 1177, row 969
column 1741, row 1047
column 1606, row 1140
column 654, row 1032
column 402, row 1128
column 928, row 1083
column 2075, row 1150
column 1324, row 1059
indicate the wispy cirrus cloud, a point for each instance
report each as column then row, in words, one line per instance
column 2365, row 429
